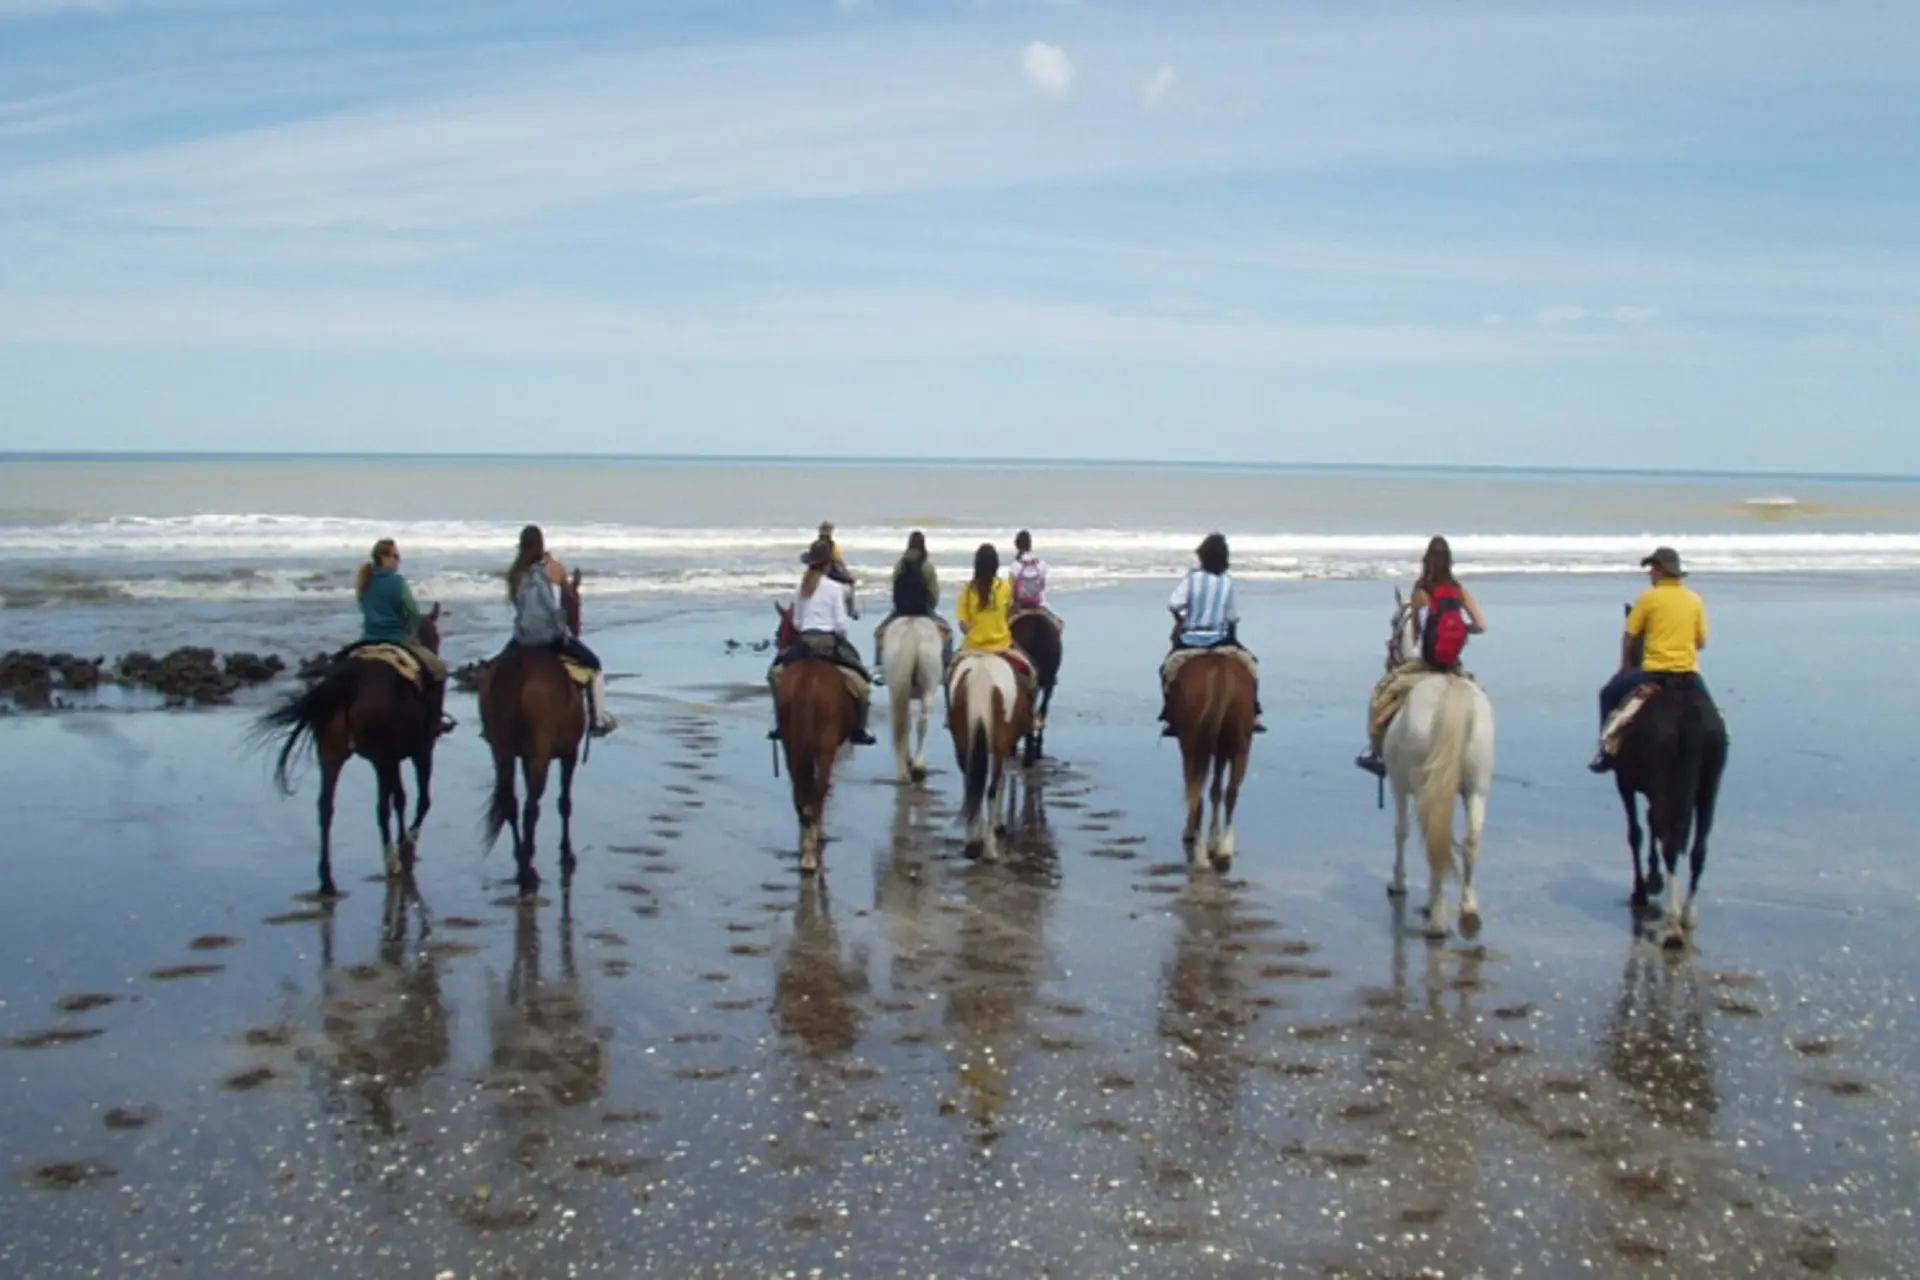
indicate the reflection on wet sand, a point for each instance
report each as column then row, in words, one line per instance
column 545, row 1053
column 1657, row 1043
column 819, row 997
column 1205, row 1007
column 387, row 1022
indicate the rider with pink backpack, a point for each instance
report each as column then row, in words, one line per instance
column 1448, row 614
column 1030, row 579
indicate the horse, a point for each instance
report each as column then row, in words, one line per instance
column 364, row 707
column 912, row 664
column 989, row 709
column 1673, row 752
column 816, row 715
column 1210, row 706
column 1036, row 636
column 533, row 714
column 1438, row 748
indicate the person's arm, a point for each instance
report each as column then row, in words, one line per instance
column 838, row 600
column 409, row 608
column 1178, row 601
column 556, row 572
column 967, row 607
column 1636, row 627
column 932, row 578
column 1476, row 621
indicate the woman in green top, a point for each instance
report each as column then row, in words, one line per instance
column 389, row 615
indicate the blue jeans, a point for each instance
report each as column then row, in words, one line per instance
column 1615, row 691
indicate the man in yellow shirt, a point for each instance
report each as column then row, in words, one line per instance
column 1668, row 624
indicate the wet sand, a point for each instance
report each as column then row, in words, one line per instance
column 1082, row 1062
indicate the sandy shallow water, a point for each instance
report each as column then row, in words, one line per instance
column 1083, row 1062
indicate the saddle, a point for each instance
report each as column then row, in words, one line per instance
column 829, row 649
column 1039, row 611
column 1614, row 732
column 1179, row 658
column 393, row 655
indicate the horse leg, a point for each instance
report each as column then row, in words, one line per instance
column 533, row 771
column 1213, row 795
column 1704, row 804
column 1643, row 886
column 1196, row 772
column 568, row 762
column 333, row 758
column 1226, row 847
column 385, row 805
column 918, row 770
column 1470, row 858
column 1397, row 887
column 423, row 783
column 990, row 825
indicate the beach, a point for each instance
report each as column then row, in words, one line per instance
column 1083, row 1062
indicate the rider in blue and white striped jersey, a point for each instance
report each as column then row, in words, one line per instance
column 1206, row 608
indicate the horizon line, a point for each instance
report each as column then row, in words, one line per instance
column 805, row 460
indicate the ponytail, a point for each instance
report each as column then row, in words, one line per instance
column 364, row 578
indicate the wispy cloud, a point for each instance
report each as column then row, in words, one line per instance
column 1156, row 87
column 1047, row 68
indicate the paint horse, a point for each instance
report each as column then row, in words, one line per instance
column 989, row 708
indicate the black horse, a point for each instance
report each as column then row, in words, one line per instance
column 1673, row 753
column 1036, row 636
column 366, row 708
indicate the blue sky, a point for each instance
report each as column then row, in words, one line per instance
column 1625, row 234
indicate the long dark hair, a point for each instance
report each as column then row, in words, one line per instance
column 533, row 549
column 1213, row 553
column 364, row 579
column 917, row 546
column 1023, row 542
column 1436, row 567
column 986, row 568
column 819, row 557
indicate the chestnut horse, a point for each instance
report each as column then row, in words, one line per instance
column 816, row 714
column 533, row 714
column 1210, row 707
column 363, row 707
column 988, row 709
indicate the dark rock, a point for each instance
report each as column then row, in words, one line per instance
column 188, row 674
column 316, row 666
column 252, row 668
column 78, row 673
column 27, row 678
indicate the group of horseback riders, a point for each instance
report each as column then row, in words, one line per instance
column 1665, row 629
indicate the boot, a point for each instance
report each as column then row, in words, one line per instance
column 1166, row 726
column 1370, row 761
column 437, row 701
column 603, row 724
column 1259, row 725
column 1601, row 762
column 860, row 735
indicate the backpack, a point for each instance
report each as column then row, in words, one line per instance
column 1029, row 582
column 1445, row 634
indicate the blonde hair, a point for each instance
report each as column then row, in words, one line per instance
column 364, row 579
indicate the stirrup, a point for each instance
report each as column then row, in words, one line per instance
column 1259, row 727
column 447, row 724
column 1373, row 764
column 601, row 728
column 1602, row 763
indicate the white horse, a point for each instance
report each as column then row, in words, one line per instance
column 989, row 709
column 911, row 658
column 1438, row 747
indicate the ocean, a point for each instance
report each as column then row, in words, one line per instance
column 105, row 553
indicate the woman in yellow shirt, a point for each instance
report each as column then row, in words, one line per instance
column 986, row 602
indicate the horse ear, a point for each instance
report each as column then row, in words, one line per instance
column 435, row 615
column 1397, row 599
column 576, row 579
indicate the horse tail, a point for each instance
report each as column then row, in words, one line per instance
column 1212, row 718
column 979, row 763
column 1446, row 761
column 503, row 804
column 300, row 718
column 1690, row 750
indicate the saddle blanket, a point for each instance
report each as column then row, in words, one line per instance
column 1048, row 614
column 1022, row 665
column 1181, row 657
column 857, row 684
column 1616, row 727
column 578, row 672
column 393, row 655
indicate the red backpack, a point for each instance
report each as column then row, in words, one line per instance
column 1445, row 633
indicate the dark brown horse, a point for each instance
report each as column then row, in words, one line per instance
column 1035, row 635
column 534, row 715
column 1673, row 753
column 363, row 707
column 816, row 714
column 1210, row 707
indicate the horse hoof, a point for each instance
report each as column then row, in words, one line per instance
column 918, row 773
column 1470, row 925
column 1222, row 862
column 809, row 866
column 1396, row 888
column 1675, row 940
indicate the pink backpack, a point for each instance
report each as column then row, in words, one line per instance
column 1029, row 582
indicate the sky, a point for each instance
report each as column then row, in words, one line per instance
column 1546, row 234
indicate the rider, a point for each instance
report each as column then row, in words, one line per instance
column 1436, row 593
column 1206, row 615
column 916, row 593
column 820, row 619
column 389, row 615
column 1030, row 579
column 1669, row 622
column 986, row 604
column 534, row 584
column 836, row 567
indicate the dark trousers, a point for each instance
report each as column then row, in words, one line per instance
column 1615, row 691
column 569, row 647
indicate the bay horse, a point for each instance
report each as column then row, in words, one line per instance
column 1673, row 752
column 533, row 714
column 1438, row 749
column 912, row 663
column 1210, row 706
column 816, row 714
column 989, row 708
column 1035, row 635
column 362, row 706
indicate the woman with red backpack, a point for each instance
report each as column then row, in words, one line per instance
column 1445, row 614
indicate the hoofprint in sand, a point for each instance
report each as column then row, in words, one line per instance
column 1083, row 1059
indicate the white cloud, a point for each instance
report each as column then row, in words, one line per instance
column 1047, row 68
column 1633, row 315
column 1157, row 86
column 1565, row 313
